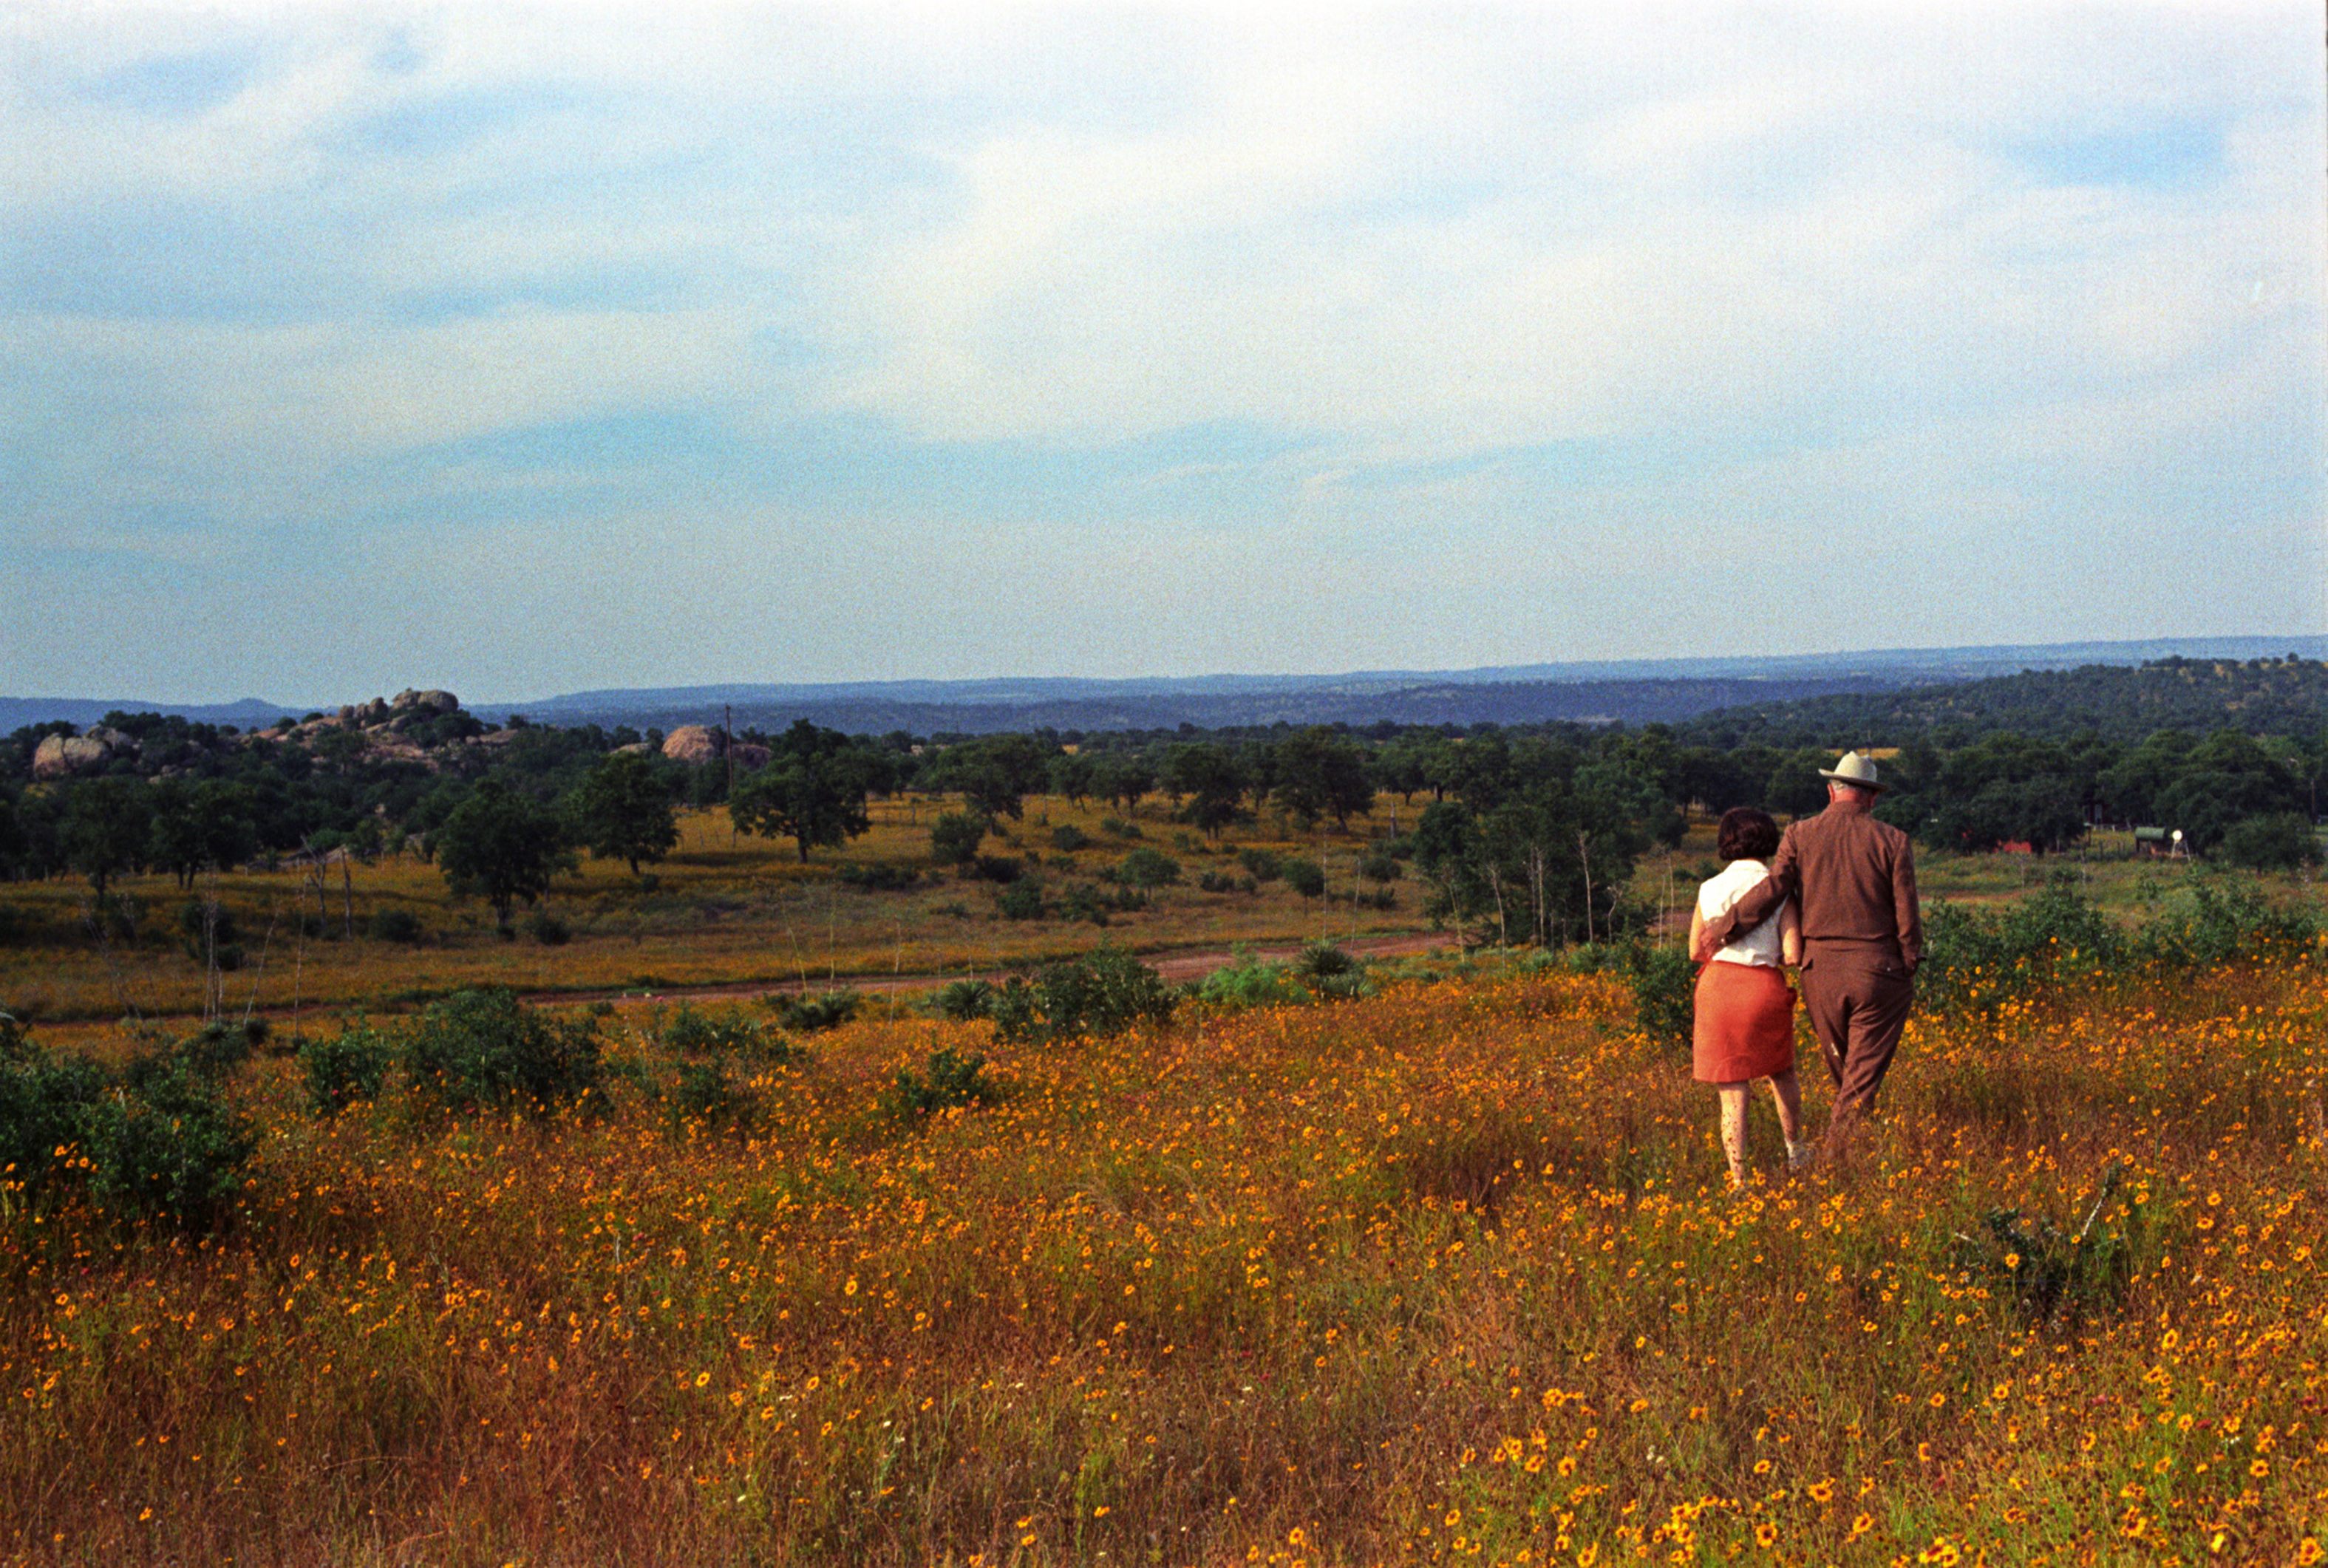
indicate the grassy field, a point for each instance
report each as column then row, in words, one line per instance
column 1448, row 1274
column 725, row 910
column 721, row 910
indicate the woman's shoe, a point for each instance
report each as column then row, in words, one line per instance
column 1799, row 1156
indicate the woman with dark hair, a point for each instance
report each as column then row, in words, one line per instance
column 1745, row 1024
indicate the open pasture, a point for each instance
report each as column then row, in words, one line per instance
column 1446, row 1274
column 724, row 909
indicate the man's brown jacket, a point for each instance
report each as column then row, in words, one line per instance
column 1855, row 877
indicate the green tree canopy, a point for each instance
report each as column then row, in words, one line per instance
column 622, row 810
column 501, row 846
column 813, row 791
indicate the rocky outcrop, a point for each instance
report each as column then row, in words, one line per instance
column 63, row 755
column 694, row 744
column 749, row 756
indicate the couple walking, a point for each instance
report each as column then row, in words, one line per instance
column 1835, row 898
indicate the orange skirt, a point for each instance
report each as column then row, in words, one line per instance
column 1745, row 1024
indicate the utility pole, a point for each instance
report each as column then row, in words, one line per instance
column 728, row 749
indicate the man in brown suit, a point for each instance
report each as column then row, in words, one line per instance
column 1863, row 932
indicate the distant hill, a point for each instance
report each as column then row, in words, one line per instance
column 2259, row 696
column 1629, row 690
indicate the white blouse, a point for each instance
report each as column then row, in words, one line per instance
column 1715, row 895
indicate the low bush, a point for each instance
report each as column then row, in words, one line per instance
column 43, row 1102
column 1663, row 983
column 1002, row 869
column 1306, row 878
column 880, row 877
column 1146, row 869
column 1116, row 826
column 207, row 930
column 1069, row 837
column 948, row 1079
column 2048, row 1273
column 486, row 1048
column 1260, row 865
column 547, row 929
column 346, row 1068
column 808, row 1015
column 393, row 926
column 690, row 1033
column 171, row 1151
column 962, row 1000
column 1222, row 882
column 1082, row 901
column 1104, row 991
column 1021, row 900
column 2283, row 841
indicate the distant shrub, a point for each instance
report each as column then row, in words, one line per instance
column 1083, row 902
column 704, row 1091
column 1100, row 992
column 2048, row 1273
column 1249, row 982
column 1306, row 878
column 1222, row 882
column 1116, row 826
column 880, row 877
column 547, row 929
column 1147, row 868
column 207, row 931
column 220, row 1046
column 1022, row 900
column 1324, row 961
column 948, row 1079
column 954, row 838
column 1069, row 837
column 1380, row 898
column 393, row 926
column 2280, row 842
column 345, row 1067
column 1379, row 865
column 808, row 1015
column 690, row 1033
column 486, row 1048
column 962, row 1000
column 1260, row 865
column 1002, row 869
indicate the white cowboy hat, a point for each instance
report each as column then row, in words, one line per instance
column 1853, row 769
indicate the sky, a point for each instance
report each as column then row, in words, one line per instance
column 523, row 348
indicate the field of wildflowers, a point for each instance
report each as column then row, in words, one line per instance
column 1445, row 1274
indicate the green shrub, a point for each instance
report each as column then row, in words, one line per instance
column 1145, row 867
column 1020, row 900
column 948, row 1079
column 808, row 1015
column 1082, row 901
column 1306, row 878
column 486, row 1048
column 1260, row 865
column 962, row 1000
column 1116, row 826
column 1248, row 983
column 1665, row 992
column 2046, row 1272
column 1323, row 960
column 207, row 931
column 547, row 929
column 690, row 1033
column 345, row 1067
column 706, row 1093
column 2283, row 841
column 172, row 1150
column 1001, row 868
column 220, row 1046
column 1069, row 837
column 880, row 877
column 954, row 838
column 43, row 1102
column 1102, row 992
column 393, row 926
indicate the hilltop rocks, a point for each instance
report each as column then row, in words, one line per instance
column 693, row 743
column 63, row 755
column 429, row 704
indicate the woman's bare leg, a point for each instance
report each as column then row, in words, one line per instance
column 1734, row 1129
column 1787, row 1093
